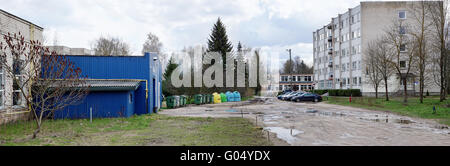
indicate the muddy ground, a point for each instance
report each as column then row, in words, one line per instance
column 320, row 124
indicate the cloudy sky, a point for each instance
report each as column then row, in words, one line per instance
column 268, row 24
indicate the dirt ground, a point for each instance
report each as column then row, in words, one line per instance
column 320, row 124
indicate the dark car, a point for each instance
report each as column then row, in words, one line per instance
column 283, row 95
column 289, row 98
column 307, row 97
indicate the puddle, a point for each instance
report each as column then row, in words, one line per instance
column 387, row 120
column 403, row 121
column 231, row 111
column 285, row 134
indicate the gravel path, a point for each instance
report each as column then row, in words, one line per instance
column 320, row 124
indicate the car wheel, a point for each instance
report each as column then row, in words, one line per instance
column 316, row 100
column 298, row 100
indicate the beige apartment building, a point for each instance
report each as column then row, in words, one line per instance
column 340, row 46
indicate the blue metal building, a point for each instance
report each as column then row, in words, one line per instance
column 120, row 86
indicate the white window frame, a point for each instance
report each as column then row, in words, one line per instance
column 401, row 11
column 2, row 89
column 404, row 47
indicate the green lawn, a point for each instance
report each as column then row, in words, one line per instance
column 413, row 108
column 138, row 130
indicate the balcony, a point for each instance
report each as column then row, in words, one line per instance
column 330, row 26
column 331, row 77
column 330, row 38
column 330, row 64
column 330, row 51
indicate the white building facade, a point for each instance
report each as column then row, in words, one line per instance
column 9, row 97
column 339, row 47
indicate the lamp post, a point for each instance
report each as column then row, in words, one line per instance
column 290, row 65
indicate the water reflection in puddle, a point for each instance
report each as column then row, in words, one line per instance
column 285, row 134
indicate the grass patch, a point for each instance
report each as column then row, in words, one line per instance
column 413, row 108
column 138, row 130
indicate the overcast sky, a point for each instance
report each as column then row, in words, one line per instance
column 269, row 24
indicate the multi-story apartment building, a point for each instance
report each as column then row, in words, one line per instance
column 302, row 82
column 340, row 46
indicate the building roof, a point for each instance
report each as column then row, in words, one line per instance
column 107, row 84
column 112, row 85
column 20, row 19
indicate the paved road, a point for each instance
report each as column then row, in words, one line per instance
column 323, row 124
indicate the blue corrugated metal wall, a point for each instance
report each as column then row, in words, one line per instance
column 118, row 105
column 125, row 67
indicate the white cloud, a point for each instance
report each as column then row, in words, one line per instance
column 179, row 23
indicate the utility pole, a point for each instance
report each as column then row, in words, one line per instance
column 291, row 67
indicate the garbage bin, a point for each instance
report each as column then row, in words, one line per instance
column 223, row 97
column 230, row 96
column 203, row 99
column 211, row 98
column 237, row 96
column 198, row 99
column 216, row 98
column 207, row 100
column 182, row 100
column 170, row 101
column 177, row 101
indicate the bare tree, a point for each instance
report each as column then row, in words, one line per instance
column 371, row 61
column 47, row 82
column 402, row 52
column 438, row 15
column 419, row 33
column 152, row 44
column 378, row 60
column 110, row 46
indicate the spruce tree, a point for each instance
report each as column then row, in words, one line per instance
column 218, row 40
column 167, row 88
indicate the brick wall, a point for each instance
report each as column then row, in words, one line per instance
column 8, row 117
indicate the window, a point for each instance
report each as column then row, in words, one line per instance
column 358, row 17
column 355, row 80
column 402, row 30
column 402, row 64
column 1, row 86
column 16, row 91
column 17, row 96
column 402, row 48
column 402, row 14
column 360, row 81
column 354, row 65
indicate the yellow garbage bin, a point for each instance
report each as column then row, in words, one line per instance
column 217, row 98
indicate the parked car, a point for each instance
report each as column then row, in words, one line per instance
column 307, row 97
column 280, row 97
column 291, row 98
column 288, row 97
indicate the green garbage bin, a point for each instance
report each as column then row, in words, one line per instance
column 177, row 101
column 223, row 97
column 205, row 99
column 183, row 100
column 210, row 99
column 170, row 101
column 198, row 99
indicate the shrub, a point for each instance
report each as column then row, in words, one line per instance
column 339, row 92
